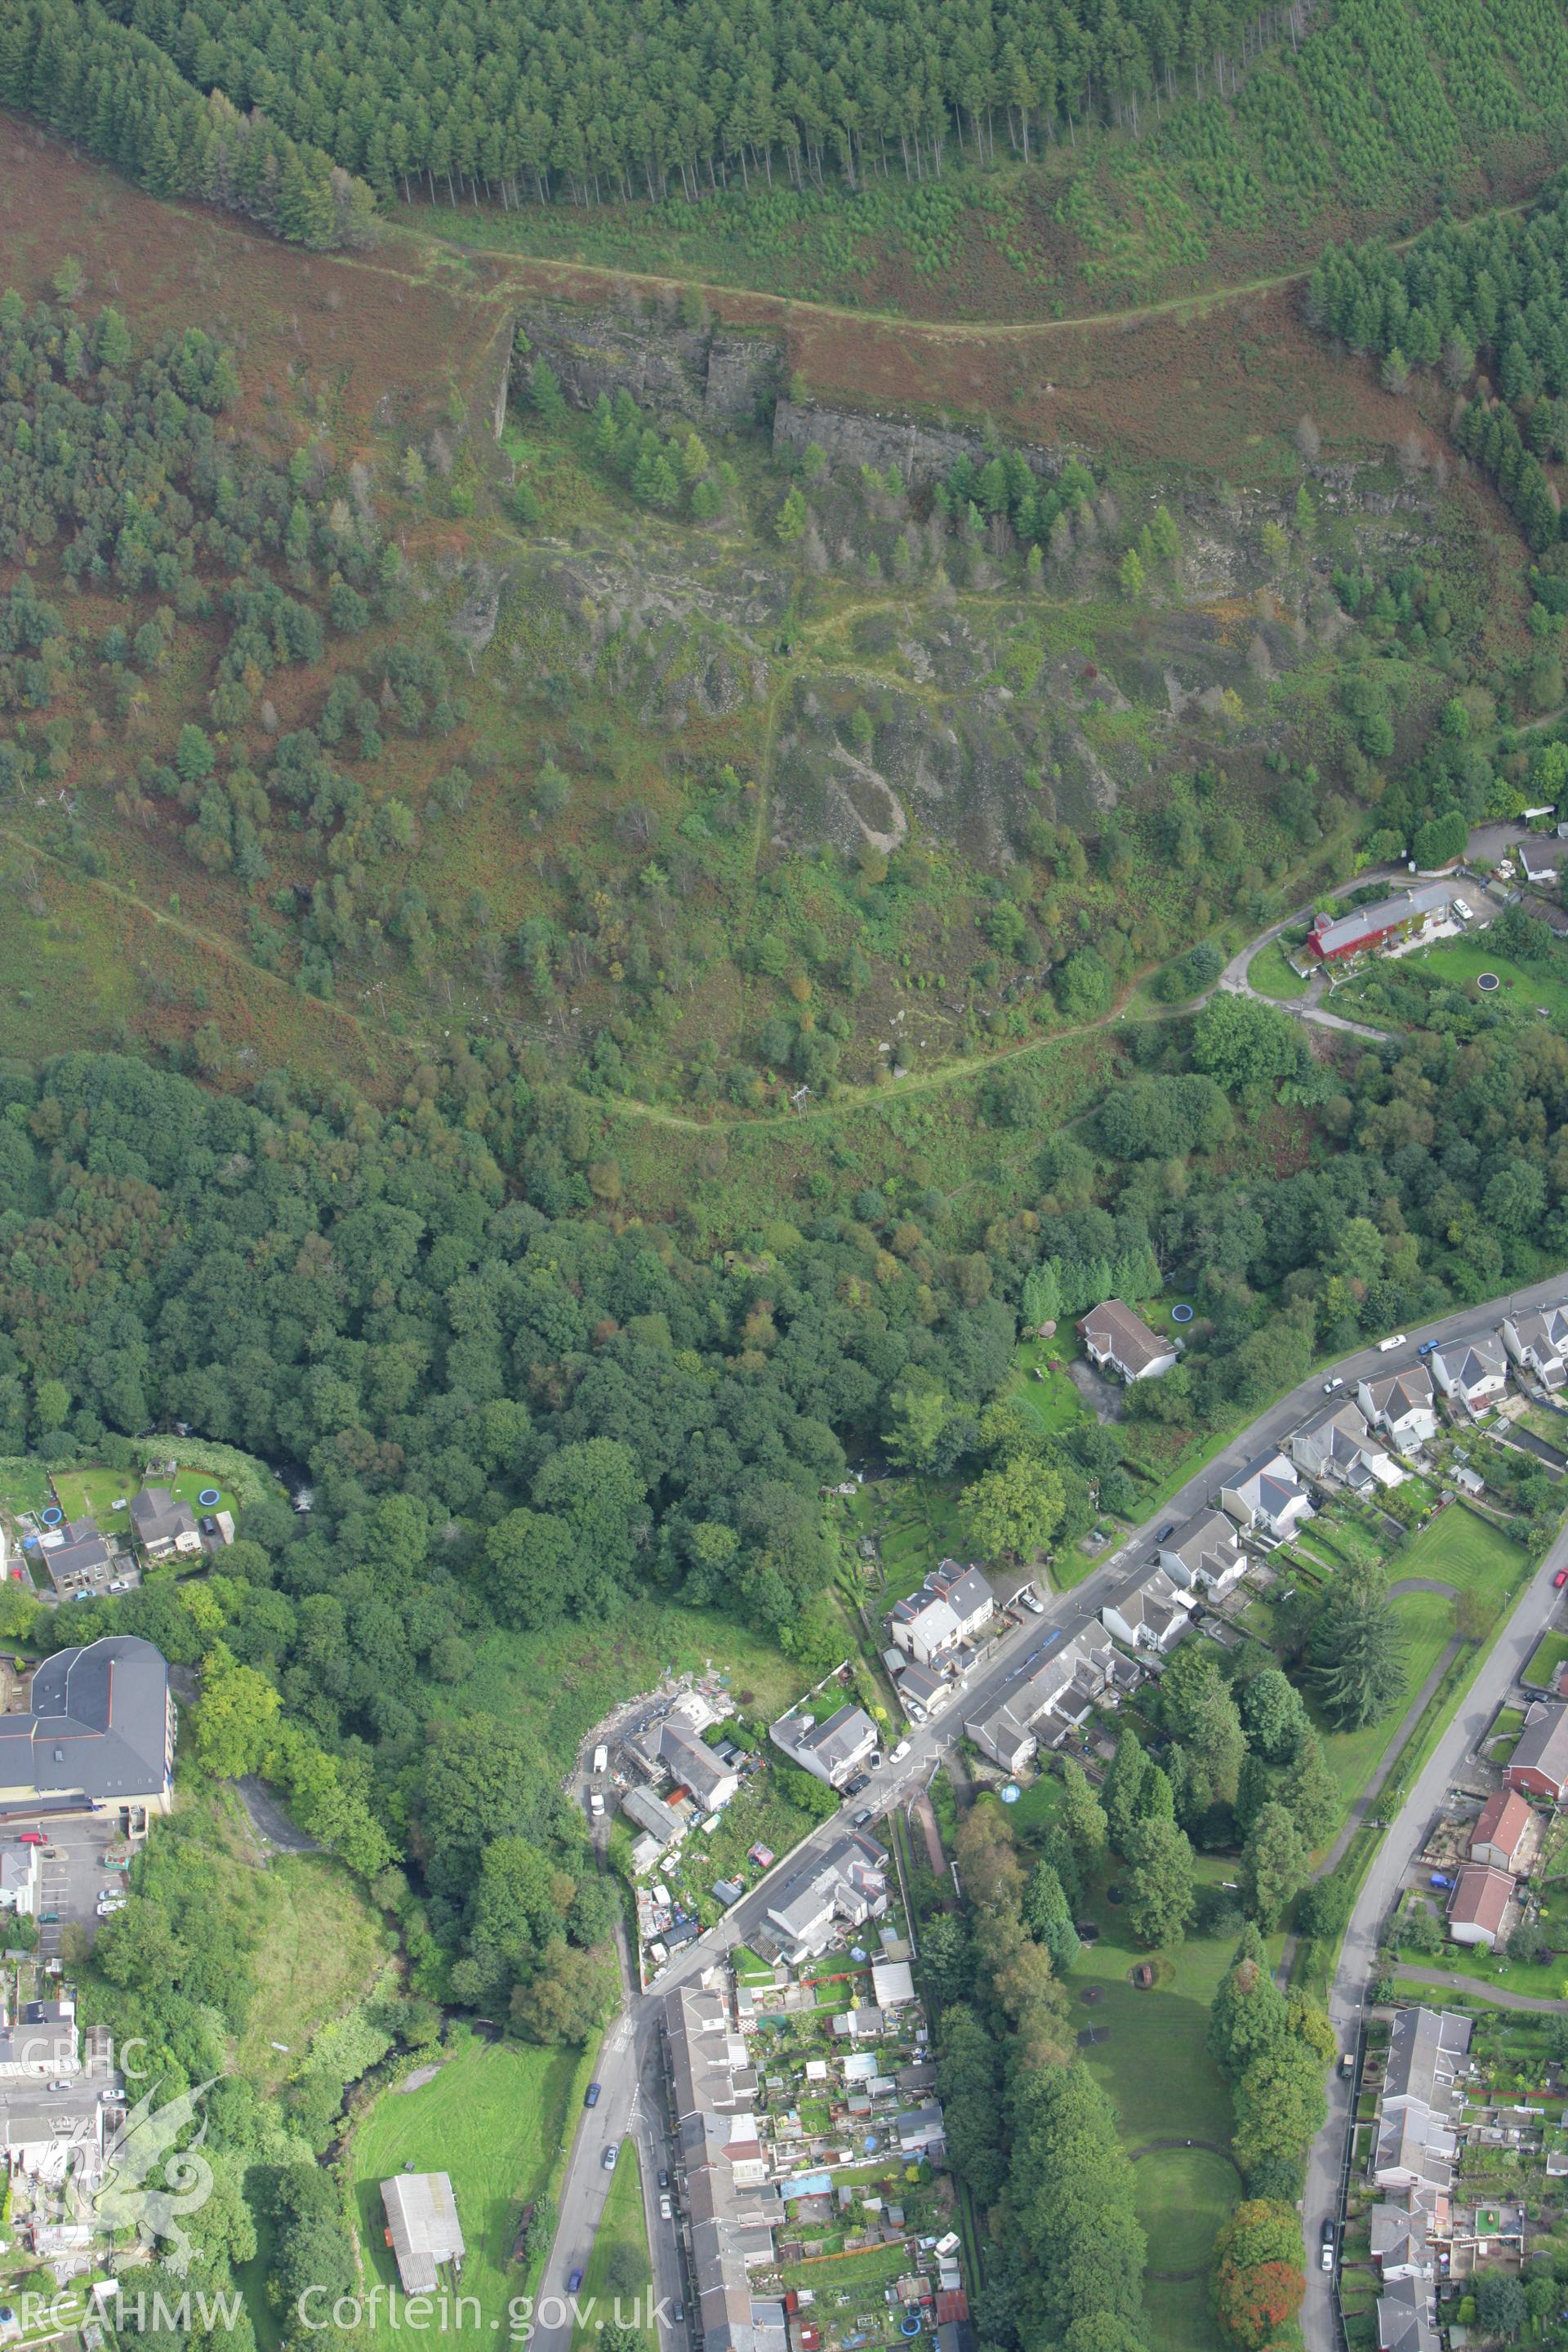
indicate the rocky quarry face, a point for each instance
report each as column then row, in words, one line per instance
column 928, row 693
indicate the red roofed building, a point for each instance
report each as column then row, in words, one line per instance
column 952, row 2304
column 1334, row 936
column 1538, row 1765
column 1500, row 1829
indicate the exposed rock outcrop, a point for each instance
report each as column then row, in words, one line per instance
column 922, row 453
column 693, row 372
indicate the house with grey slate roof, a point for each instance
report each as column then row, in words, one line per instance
column 1267, row 1495
column 834, row 1750
column 1474, row 1371
column 1402, row 1405
column 1539, row 1345
column 1203, row 1555
column 164, row 1526
column 100, row 1733
column 1338, row 1449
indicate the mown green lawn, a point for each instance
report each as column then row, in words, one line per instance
column 1183, row 2195
column 1155, row 2067
column 1179, row 2317
column 1465, row 1549
column 1270, row 974
column 91, row 1494
column 1426, row 1620
column 1051, row 1402
column 1457, row 963
column 1547, row 1661
column 1459, row 1548
column 875, row 2268
column 493, row 2119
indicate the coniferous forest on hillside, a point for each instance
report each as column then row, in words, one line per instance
column 691, row 703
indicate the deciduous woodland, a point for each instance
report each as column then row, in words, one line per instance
column 625, row 901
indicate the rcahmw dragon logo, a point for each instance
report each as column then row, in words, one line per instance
column 150, row 2182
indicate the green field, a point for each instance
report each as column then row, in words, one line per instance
column 1156, row 2068
column 1270, row 974
column 322, row 1948
column 618, row 2270
column 1522, row 988
column 1462, row 1549
column 493, row 2119
column 1183, row 2195
column 558, row 1683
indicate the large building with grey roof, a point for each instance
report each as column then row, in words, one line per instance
column 1403, row 917
column 1114, row 1335
column 1402, row 1404
column 950, row 1607
column 1539, row 1344
column 1473, row 1370
column 166, row 1524
column 100, row 1733
column 1204, row 1554
column 843, row 1887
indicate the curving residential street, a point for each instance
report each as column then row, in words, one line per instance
column 630, row 2071
column 1403, row 1840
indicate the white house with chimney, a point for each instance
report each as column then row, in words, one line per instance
column 1473, row 1373
column 1402, row 1405
column 1539, row 1345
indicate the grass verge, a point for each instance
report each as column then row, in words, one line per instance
column 618, row 2272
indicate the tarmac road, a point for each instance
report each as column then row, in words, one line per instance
column 629, row 2070
column 1402, row 1842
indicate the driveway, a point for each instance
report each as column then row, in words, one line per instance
column 1233, row 979
column 271, row 1823
column 1105, row 1399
